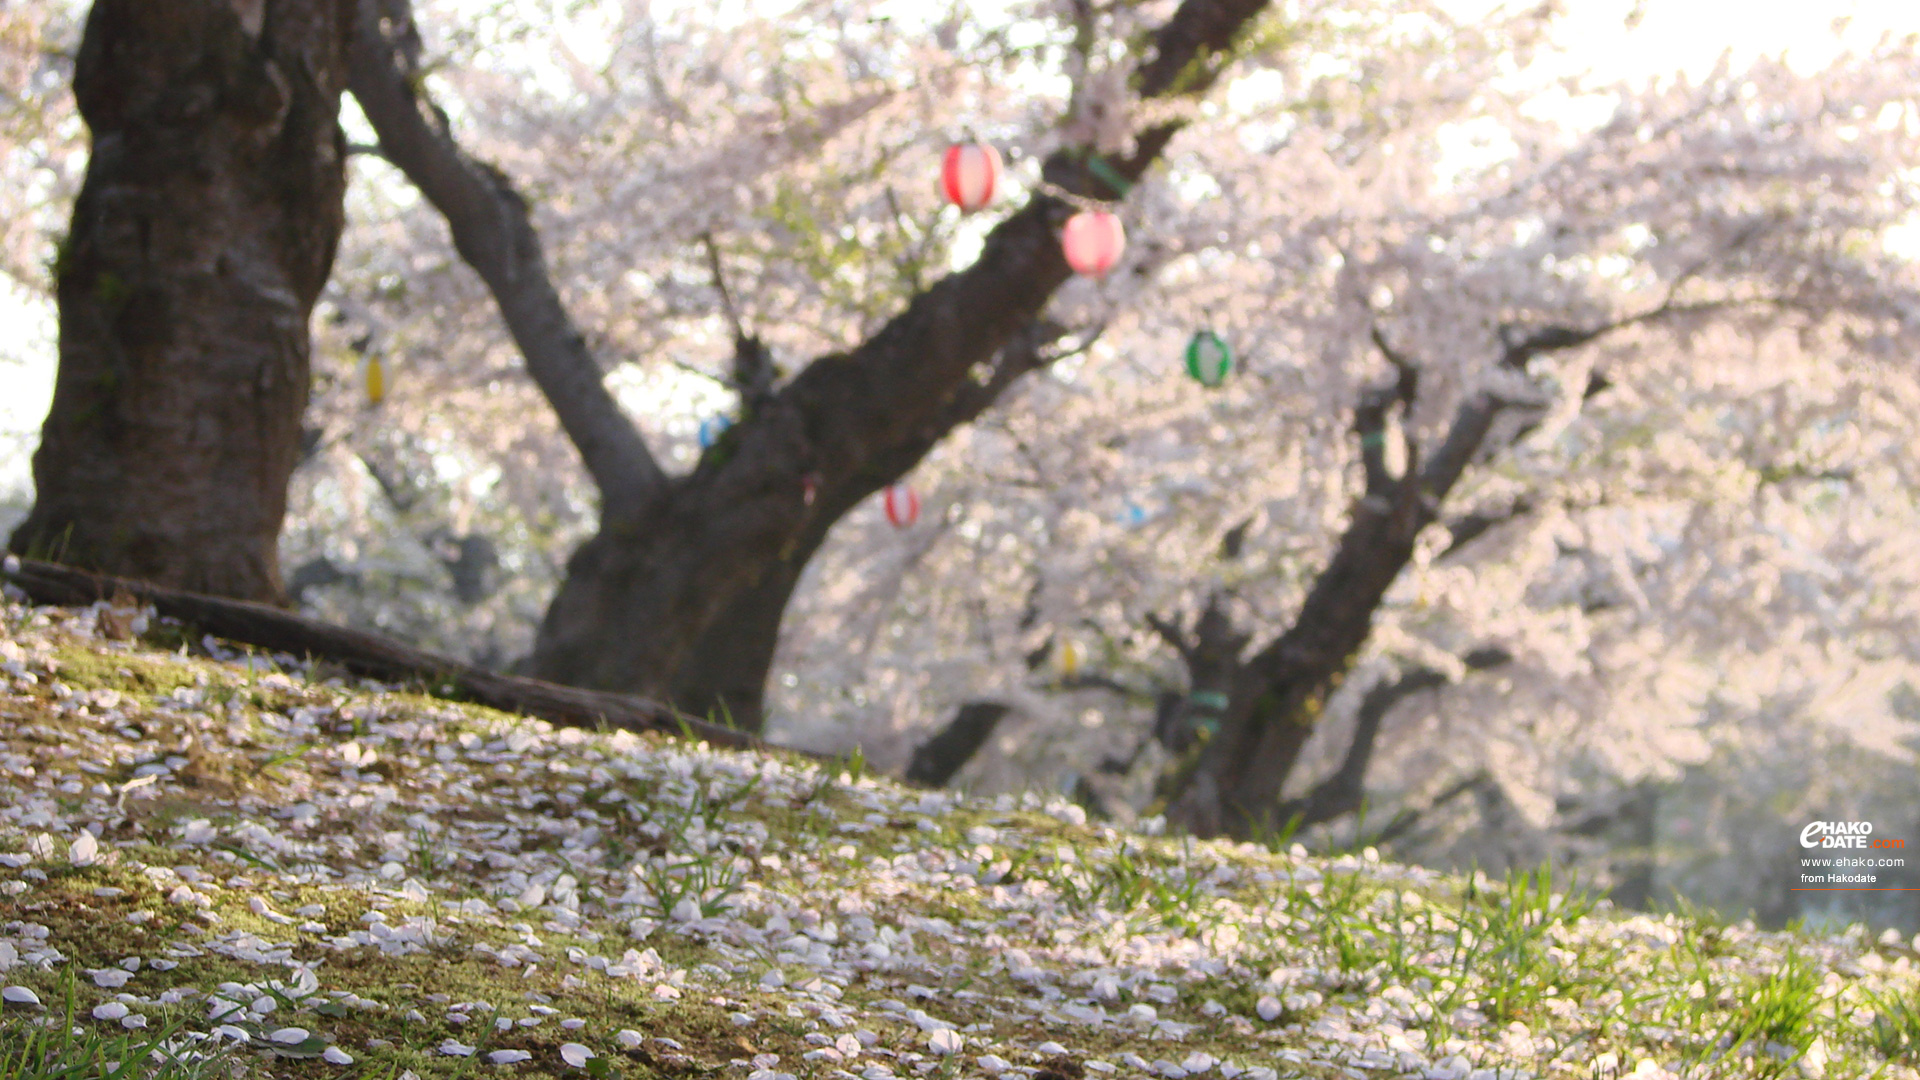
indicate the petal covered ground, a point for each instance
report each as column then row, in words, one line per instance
column 222, row 859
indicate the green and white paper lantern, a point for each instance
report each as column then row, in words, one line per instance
column 1208, row 358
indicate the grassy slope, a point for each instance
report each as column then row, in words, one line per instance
column 387, row 880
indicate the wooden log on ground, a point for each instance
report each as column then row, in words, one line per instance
column 366, row 654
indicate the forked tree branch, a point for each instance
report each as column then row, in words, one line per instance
column 1172, row 635
column 1474, row 419
column 493, row 230
column 1342, row 792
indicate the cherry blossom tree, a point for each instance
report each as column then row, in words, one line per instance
column 1441, row 364
column 38, row 147
column 681, row 590
column 1559, row 503
column 41, row 156
column 1543, row 635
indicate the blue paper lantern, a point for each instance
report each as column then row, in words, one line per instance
column 712, row 428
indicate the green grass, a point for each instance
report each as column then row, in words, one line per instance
column 1895, row 1030
column 68, row 1044
column 1774, row 1023
column 1126, row 880
column 1505, row 934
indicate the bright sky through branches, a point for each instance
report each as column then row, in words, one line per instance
column 1614, row 40
column 1635, row 41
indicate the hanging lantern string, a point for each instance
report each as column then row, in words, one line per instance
column 1106, row 173
column 1098, row 166
column 1078, row 202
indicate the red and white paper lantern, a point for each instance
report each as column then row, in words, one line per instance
column 903, row 506
column 1093, row 241
column 970, row 175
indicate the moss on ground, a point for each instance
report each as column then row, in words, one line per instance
column 419, row 885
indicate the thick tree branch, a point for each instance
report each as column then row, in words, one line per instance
column 1472, row 422
column 921, row 363
column 1344, row 790
column 1467, row 528
column 1093, row 680
column 1029, row 350
column 1370, row 424
column 494, row 232
column 728, row 663
column 1405, row 821
column 1475, row 417
column 1341, row 792
column 1371, row 414
column 936, row 761
column 396, row 491
column 1211, row 653
column 1407, row 386
column 1190, row 51
column 1518, row 348
column 1172, row 635
column 1215, row 638
column 1235, row 541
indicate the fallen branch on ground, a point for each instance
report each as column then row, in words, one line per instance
column 368, row 655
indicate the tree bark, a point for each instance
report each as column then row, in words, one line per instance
column 1277, row 696
column 680, row 592
column 637, row 597
column 724, row 675
column 201, row 238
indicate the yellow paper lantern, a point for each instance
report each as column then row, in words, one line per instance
column 1069, row 659
column 376, row 376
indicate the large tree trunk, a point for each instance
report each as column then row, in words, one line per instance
column 680, row 593
column 685, row 605
column 724, row 675
column 201, row 238
column 1211, row 652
